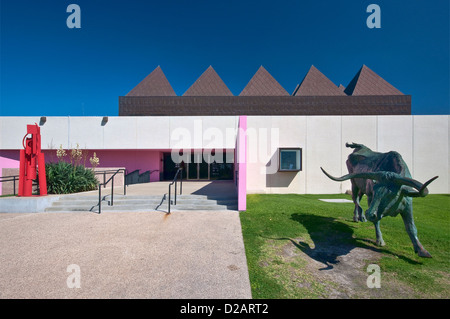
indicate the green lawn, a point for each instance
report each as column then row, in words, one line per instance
column 283, row 233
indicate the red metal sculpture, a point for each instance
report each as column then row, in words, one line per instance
column 32, row 161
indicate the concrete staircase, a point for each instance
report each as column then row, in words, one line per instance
column 133, row 203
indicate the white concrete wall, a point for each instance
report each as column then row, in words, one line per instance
column 120, row 132
column 13, row 129
column 430, row 154
column 323, row 149
column 423, row 142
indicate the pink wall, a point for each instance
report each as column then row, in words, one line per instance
column 8, row 159
column 241, row 164
column 143, row 160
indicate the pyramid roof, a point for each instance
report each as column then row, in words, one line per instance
column 263, row 84
column 208, row 84
column 154, row 84
column 316, row 83
column 367, row 82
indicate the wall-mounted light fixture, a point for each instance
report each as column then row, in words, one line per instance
column 104, row 120
column 42, row 120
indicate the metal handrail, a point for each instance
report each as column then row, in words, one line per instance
column 3, row 179
column 14, row 178
column 111, row 203
column 107, row 171
column 175, row 179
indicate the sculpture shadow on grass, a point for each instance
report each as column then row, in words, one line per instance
column 331, row 239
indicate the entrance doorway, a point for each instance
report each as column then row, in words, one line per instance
column 198, row 169
column 170, row 169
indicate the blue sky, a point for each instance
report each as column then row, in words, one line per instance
column 48, row 69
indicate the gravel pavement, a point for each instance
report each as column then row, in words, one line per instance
column 185, row 255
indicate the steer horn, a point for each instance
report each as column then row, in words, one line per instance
column 422, row 188
column 366, row 175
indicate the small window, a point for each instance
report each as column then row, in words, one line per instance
column 290, row 159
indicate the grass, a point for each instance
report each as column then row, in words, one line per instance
column 281, row 234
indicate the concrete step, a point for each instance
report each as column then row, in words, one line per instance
column 69, row 209
column 164, row 208
column 77, row 202
column 146, row 197
column 179, row 202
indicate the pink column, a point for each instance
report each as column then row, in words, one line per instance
column 241, row 150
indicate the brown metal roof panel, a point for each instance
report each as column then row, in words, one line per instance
column 367, row 82
column 263, row 84
column 316, row 83
column 154, row 84
column 208, row 84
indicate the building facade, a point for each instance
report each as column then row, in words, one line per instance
column 264, row 140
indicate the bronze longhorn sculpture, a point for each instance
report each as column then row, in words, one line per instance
column 387, row 182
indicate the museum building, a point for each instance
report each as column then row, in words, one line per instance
column 265, row 140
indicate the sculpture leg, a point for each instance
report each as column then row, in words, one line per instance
column 30, row 174
column 380, row 241
column 42, row 177
column 361, row 216
column 356, row 212
column 21, row 173
column 412, row 232
column 369, row 199
column 356, row 197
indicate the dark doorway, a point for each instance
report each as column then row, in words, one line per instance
column 199, row 169
column 221, row 171
column 170, row 168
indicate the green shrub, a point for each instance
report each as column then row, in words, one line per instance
column 67, row 178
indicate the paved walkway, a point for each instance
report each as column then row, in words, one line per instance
column 161, row 188
column 195, row 254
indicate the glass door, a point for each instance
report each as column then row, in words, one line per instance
column 192, row 167
column 198, row 169
column 203, row 170
column 170, row 168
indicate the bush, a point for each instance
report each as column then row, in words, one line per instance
column 67, row 178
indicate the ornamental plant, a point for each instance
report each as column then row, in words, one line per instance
column 76, row 155
column 60, row 153
column 66, row 177
column 95, row 161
